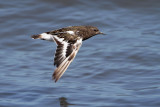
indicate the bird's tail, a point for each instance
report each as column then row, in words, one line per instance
column 36, row 36
column 43, row 36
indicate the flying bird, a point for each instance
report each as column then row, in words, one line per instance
column 68, row 40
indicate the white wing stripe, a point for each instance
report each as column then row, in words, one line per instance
column 65, row 44
column 70, row 32
column 64, row 48
column 59, row 39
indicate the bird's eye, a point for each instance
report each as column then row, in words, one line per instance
column 95, row 30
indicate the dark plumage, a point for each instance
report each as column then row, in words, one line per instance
column 68, row 41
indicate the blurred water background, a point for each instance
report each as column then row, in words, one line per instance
column 120, row 69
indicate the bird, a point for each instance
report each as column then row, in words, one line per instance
column 68, row 40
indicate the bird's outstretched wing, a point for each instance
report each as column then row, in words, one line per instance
column 65, row 53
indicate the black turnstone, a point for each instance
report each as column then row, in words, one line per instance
column 68, row 41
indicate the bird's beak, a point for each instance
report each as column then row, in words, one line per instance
column 102, row 33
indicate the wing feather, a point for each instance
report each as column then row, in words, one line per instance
column 60, row 54
column 59, row 71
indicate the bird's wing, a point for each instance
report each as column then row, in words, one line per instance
column 61, row 51
column 64, row 55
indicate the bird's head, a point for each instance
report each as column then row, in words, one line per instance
column 95, row 30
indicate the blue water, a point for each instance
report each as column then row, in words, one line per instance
column 119, row 69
